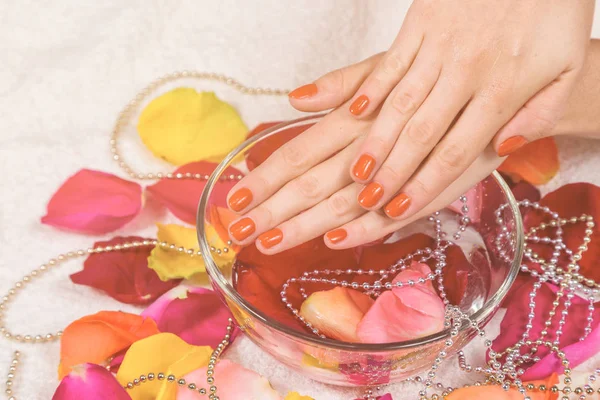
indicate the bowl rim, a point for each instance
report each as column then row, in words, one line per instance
column 219, row 279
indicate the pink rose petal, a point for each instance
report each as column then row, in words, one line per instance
column 515, row 319
column 474, row 203
column 404, row 313
column 94, row 202
column 90, row 382
column 181, row 196
column 123, row 275
column 233, row 381
column 196, row 315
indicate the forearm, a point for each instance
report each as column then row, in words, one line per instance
column 582, row 117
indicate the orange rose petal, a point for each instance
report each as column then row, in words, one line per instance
column 536, row 162
column 95, row 338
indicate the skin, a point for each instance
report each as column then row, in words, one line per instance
column 305, row 192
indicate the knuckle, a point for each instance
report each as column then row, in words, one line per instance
column 390, row 174
column 293, row 156
column 451, row 157
column 420, row 188
column 339, row 205
column 308, row 186
column 404, row 101
column 333, row 81
column 421, row 132
column 392, row 64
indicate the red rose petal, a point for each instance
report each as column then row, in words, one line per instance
column 572, row 200
column 196, row 315
column 94, row 202
column 181, row 196
column 262, row 150
column 123, row 275
column 515, row 319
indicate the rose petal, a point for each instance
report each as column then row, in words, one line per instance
column 260, row 277
column 404, row 313
column 568, row 201
column 263, row 149
column 220, row 218
column 297, row 396
column 494, row 392
column 181, row 196
column 90, row 382
column 536, row 162
column 170, row 264
column 95, row 338
column 233, row 381
column 522, row 190
column 336, row 312
column 474, row 203
column 123, row 275
column 165, row 353
column 94, row 202
column 576, row 351
column 195, row 314
column 183, row 125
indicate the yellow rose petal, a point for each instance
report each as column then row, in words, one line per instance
column 164, row 352
column 183, row 126
column 171, row 264
column 296, row 396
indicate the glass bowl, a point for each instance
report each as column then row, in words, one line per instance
column 357, row 364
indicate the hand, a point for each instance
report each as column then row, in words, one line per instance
column 303, row 190
column 457, row 73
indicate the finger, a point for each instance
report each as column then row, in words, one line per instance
column 388, row 72
column 400, row 106
column 538, row 117
column 334, row 88
column 373, row 225
column 333, row 133
column 296, row 196
column 338, row 209
column 452, row 156
column 419, row 137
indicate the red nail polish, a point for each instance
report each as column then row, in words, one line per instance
column 304, row 92
column 337, row 235
column 397, row 206
column 242, row 229
column 359, row 105
column 370, row 195
column 240, row 199
column 511, row 145
column 363, row 167
column 271, row 238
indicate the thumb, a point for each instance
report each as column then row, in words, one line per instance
column 334, row 88
column 538, row 117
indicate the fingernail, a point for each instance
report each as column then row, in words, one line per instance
column 271, row 238
column 337, row 235
column 304, row 92
column 370, row 195
column 242, row 229
column 363, row 167
column 240, row 199
column 511, row 145
column 397, row 206
column 359, row 105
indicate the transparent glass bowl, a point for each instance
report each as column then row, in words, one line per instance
column 353, row 364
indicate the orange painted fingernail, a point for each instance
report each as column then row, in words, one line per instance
column 370, row 195
column 240, row 199
column 359, row 105
column 363, row 167
column 271, row 238
column 242, row 229
column 337, row 235
column 397, row 206
column 304, row 92
column 511, row 145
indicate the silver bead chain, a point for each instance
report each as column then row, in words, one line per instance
column 123, row 120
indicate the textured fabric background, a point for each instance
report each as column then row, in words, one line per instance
column 67, row 67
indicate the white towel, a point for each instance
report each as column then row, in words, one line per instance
column 68, row 67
